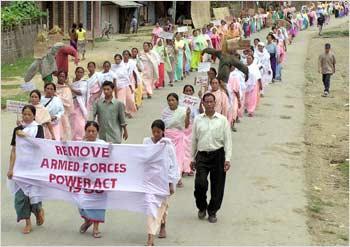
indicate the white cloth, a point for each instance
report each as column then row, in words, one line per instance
column 253, row 77
column 239, row 75
column 108, row 76
column 94, row 79
column 83, row 88
column 263, row 58
column 173, row 175
column 55, row 107
column 174, row 119
column 122, row 74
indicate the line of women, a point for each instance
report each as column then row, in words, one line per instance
column 25, row 204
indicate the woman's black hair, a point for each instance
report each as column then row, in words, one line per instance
column 77, row 68
column 118, row 55
column 135, row 49
column 173, row 95
column 80, row 26
column 108, row 83
column 158, row 124
column 31, row 108
column 92, row 123
column 127, row 51
column 271, row 35
column 188, row 85
column 107, row 62
column 74, row 26
column 91, row 63
column 50, row 83
column 214, row 70
column 146, row 42
column 257, row 40
column 37, row 92
column 61, row 71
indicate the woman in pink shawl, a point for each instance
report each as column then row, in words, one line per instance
column 221, row 98
column 233, row 88
column 176, row 119
column 216, row 42
column 189, row 90
column 150, row 72
column 254, row 85
column 65, row 94
column 79, row 114
column 94, row 85
column 155, row 34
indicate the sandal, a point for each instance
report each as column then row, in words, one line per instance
column 180, row 184
column 40, row 218
column 85, row 226
column 97, row 234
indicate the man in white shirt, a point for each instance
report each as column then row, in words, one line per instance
column 211, row 153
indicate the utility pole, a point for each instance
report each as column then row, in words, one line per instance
column 92, row 24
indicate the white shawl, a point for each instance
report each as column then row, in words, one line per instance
column 82, row 99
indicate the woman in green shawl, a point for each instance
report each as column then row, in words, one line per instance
column 198, row 45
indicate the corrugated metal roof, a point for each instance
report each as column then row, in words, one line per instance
column 127, row 4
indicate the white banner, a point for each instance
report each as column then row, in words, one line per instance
column 15, row 106
column 189, row 101
column 93, row 175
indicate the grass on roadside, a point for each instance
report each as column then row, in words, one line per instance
column 344, row 169
column 18, row 97
column 336, row 33
column 316, row 204
column 100, row 40
column 16, row 69
column 11, row 86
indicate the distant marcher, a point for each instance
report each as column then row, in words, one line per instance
column 211, row 153
column 73, row 36
column 134, row 25
column 320, row 21
column 81, row 33
column 326, row 66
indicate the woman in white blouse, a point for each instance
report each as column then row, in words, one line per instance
column 55, row 107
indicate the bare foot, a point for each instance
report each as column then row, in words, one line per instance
column 162, row 232
column 40, row 217
column 150, row 240
column 27, row 229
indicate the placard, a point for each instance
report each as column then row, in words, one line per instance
column 216, row 22
column 204, row 67
column 15, row 106
column 190, row 101
column 187, row 22
column 202, row 80
column 182, row 29
column 166, row 35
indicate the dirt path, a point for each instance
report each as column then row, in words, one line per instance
column 265, row 197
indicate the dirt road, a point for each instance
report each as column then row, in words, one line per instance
column 265, row 197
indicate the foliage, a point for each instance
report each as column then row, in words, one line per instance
column 20, row 12
column 16, row 69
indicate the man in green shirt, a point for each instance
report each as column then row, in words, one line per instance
column 110, row 115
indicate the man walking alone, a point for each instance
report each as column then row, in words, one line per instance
column 211, row 153
column 326, row 66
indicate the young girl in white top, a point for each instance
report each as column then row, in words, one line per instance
column 153, row 224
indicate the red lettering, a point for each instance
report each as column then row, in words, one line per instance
column 73, row 151
column 103, row 167
column 60, row 179
column 52, row 177
column 70, row 180
column 122, row 168
column 112, row 167
column 105, row 184
column 87, row 191
column 87, row 183
column 62, row 164
column 84, row 151
column 97, row 184
column 64, row 149
column 85, row 166
column 76, row 166
column 54, row 164
column 93, row 167
column 45, row 163
column 114, row 182
column 79, row 182
column 95, row 151
column 105, row 152
column 58, row 150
